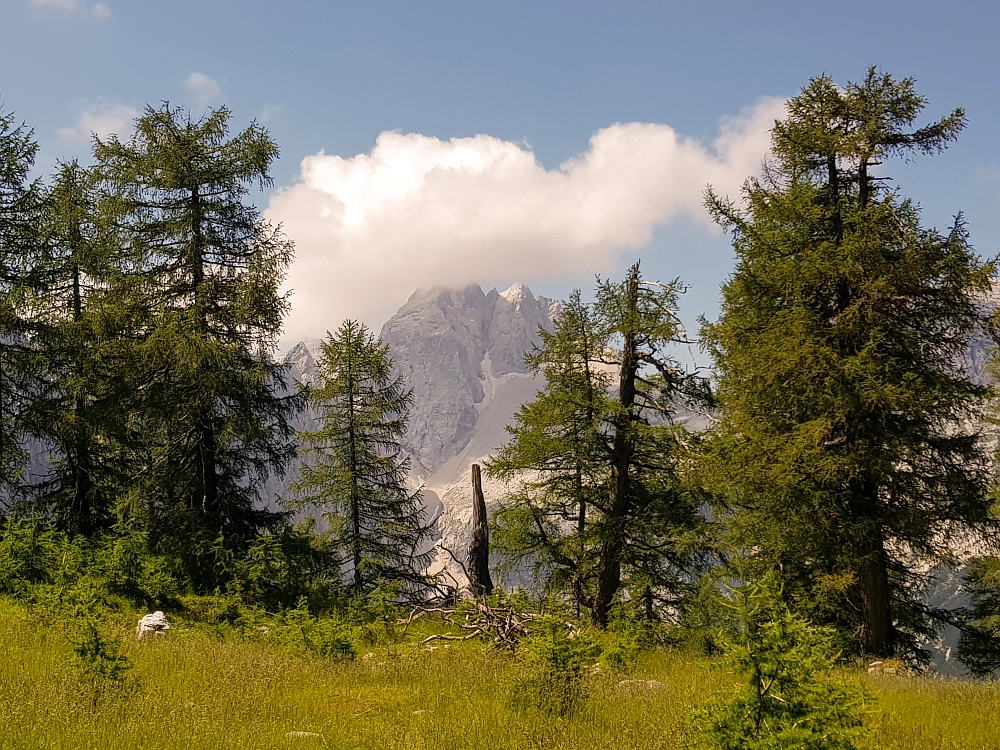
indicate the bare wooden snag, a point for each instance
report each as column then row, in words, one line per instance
column 480, row 583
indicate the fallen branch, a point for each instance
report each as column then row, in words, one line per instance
column 446, row 637
column 505, row 625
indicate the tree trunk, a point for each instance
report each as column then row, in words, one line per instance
column 622, row 455
column 87, row 519
column 207, row 446
column 873, row 579
column 480, row 583
column 354, row 498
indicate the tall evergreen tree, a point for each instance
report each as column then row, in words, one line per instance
column 609, row 506
column 843, row 451
column 21, row 204
column 357, row 475
column 556, row 457
column 76, row 401
column 206, row 269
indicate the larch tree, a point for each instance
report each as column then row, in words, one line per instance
column 556, row 461
column 354, row 472
column 77, row 403
column 599, row 457
column 21, row 206
column 844, row 452
column 206, row 270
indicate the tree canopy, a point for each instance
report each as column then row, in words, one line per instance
column 848, row 452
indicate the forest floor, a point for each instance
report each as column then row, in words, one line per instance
column 193, row 689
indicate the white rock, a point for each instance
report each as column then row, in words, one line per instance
column 154, row 623
column 301, row 735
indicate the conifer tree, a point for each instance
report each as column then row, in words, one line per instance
column 610, row 506
column 21, row 204
column 789, row 696
column 355, row 473
column 205, row 269
column 843, row 451
column 979, row 647
column 556, row 442
column 81, row 404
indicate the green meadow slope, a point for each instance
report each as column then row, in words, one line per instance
column 197, row 688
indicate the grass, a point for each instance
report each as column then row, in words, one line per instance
column 190, row 690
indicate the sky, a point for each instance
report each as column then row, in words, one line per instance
column 445, row 143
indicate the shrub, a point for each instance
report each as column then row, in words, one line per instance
column 327, row 636
column 26, row 556
column 628, row 634
column 99, row 659
column 291, row 563
column 788, row 698
column 705, row 619
column 374, row 614
column 554, row 662
column 130, row 570
column 53, row 570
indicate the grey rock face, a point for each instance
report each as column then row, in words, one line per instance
column 976, row 358
column 446, row 344
column 301, row 362
column 302, row 369
column 455, row 348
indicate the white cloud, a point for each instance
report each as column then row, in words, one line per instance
column 205, row 90
column 100, row 11
column 102, row 117
column 420, row 212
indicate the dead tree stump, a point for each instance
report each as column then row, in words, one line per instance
column 480, row 583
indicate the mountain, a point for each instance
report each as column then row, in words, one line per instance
column 458, row 349
column 462, row 352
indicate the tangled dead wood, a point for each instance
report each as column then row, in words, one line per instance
column 504, row 626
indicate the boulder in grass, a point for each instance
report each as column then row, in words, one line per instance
column 154, row 623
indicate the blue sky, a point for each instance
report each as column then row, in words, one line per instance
column 540, row 77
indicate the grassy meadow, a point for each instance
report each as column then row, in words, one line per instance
column 194, row 689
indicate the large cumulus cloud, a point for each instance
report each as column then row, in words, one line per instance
column 419, row 212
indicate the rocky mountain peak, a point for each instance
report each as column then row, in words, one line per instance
column 450, row 346
column 515, row 293
column 301, row 360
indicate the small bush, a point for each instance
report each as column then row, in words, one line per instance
column 706, row 620
column 53, row 571
column 788, row 697
column 327, row 636
column 628, row 634
column 130, row 570
column 282, row 567
column 99, row 659
column 374, row 614
column 555, row 662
